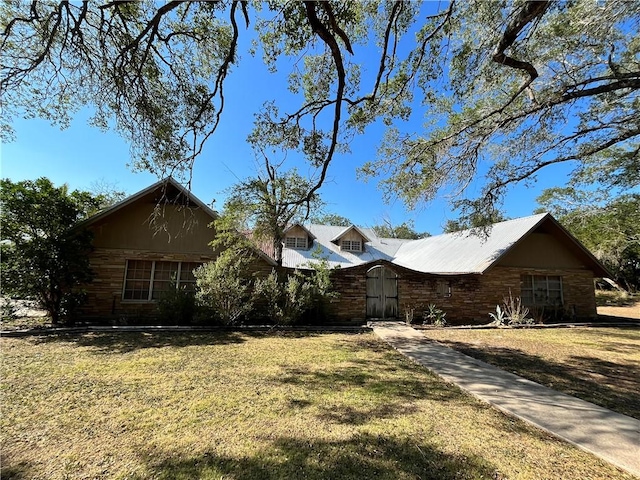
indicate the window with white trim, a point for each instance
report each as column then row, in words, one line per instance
column 351, row 245
column 541, row 290
column 147, row 280
column 295, row 242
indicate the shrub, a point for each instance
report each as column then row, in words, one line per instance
column 226, row 287
column 512, row 313
column 177, row 306
column 286, row 301
column 435, row 316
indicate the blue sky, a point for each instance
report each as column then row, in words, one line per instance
column 82, row 155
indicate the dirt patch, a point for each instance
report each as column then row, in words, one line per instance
column 631, row 311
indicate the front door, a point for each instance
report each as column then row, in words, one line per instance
column 382, row 293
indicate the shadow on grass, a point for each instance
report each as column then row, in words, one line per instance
column 611, row 385
column 362, row 456
column 126, row 342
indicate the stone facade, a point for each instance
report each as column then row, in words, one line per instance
column 105, row 294
column 472, row 297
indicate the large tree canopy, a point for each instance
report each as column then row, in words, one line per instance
column 511, row 87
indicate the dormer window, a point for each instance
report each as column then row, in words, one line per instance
column 295, row 242
column 351, row 245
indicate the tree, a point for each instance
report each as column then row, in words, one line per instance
column 404, row 230
column 478, row 221
column 268, row 204
column 511, row 87
column 523, row 85
column 609, row 228
column 107, row 193
column 44, row 258
column 331, row 219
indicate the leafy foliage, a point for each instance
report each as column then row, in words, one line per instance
column 331, row 219
column 435, row 316
column 268, row 204
column 286, row 300
column 509, row 88
column 610, row 228
column 475, row 221
column 405, row 230
column 226, row 286
column 44, row 258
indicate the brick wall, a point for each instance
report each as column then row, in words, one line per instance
column 104, row 294
column 472, row 296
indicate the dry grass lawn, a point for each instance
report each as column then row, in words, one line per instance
column 255, row 406
column 600, row 365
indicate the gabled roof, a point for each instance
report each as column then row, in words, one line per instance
column 347, row 230
column 377, row 248
column 313, row 237
column 161, row 184
column 465, row 252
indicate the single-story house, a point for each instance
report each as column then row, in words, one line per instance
column 163, row 232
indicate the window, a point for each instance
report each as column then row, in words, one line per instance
column 147, row 280
column 295, row 242
column 443, row 288
column 541, row 290
column 351, row 245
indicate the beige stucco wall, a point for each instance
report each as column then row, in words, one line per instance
column 164, row 229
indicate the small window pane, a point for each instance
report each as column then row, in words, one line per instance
column 290, row 242
column 165, row 278
column 138, row 279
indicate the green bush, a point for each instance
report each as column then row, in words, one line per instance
column 285, row 300
column 225, row 286
column 177, row 307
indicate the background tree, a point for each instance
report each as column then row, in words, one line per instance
column 404, row 230
column 510, row 87
column 478, row 221
column 268, row 204
column 330, row 219
column 610, row 229
column 107, row 193
column 43, row 257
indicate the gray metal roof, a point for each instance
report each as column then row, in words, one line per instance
column 466, row 251
column 452, row 253
column 323, row 247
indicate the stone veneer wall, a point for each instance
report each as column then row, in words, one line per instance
column 104, row 294
column 472, row 298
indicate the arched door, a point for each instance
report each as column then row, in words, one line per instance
column 382, row 293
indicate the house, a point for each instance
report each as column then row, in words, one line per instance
column 148, row 243
column 465, row 274
column 145, row 245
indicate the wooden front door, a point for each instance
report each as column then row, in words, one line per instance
column 382, row 293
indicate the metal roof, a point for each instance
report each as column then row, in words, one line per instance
column 467, row 251
column 376, row 248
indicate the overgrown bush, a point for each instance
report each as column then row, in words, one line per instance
column 44, row 254
column 286, row 299
column 226, row 287
column 178, row 307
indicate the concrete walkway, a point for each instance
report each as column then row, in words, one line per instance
column 611, row 436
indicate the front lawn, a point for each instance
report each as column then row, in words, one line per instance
column 600, row 365
column 255, row 406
